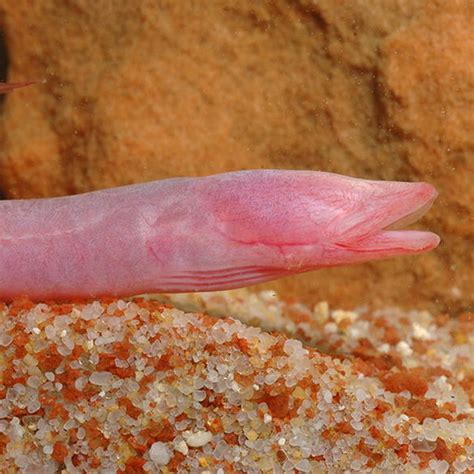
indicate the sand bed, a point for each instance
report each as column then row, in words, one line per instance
column 139, row 386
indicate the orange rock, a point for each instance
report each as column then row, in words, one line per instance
column 140, row 91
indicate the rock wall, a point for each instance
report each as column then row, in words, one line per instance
column 141, row 90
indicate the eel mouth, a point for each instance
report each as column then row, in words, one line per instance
column 412, row 216
column 388, row 236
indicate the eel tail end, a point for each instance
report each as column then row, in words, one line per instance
column 7, row 87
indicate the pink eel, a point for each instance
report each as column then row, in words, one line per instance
column 202, row 234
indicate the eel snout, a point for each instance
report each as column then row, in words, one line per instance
column 412, row 216
column 381, row 232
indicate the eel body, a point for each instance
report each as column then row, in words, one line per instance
column 201, row 234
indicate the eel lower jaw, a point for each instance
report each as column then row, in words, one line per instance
column 398, row 242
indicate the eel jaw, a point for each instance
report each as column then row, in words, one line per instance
column 388, row 238
column 394, row 235
column 412, row 216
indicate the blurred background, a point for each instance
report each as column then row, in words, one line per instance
column 145, row 89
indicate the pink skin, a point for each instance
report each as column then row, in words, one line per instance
column 201, row 234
